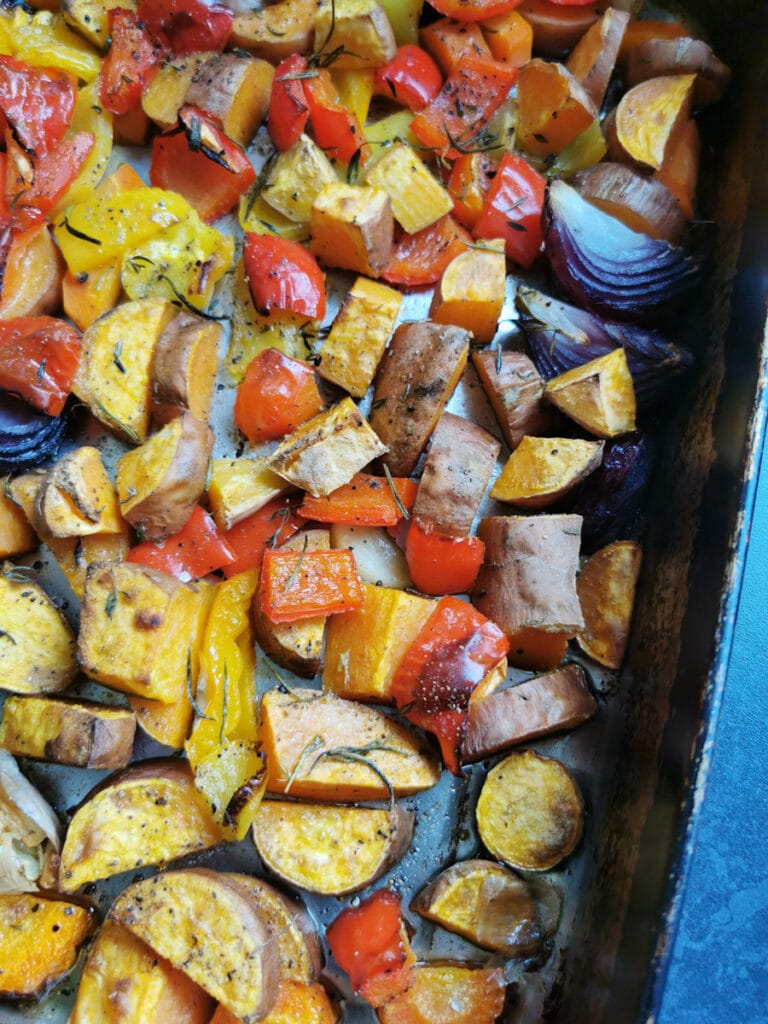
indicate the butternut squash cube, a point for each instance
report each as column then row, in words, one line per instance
column 471, row 291
column 86, row 297
column 353, row 228
column 418, row 199
column 297, row 178
column 360, row 27
column 239, row 487
column 599, row 395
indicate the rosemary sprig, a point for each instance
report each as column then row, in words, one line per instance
column 114, row 421
column 7, row 636
column 310, row 748
column 356, row 755
column 80, row 234
column 116, row 356
column 297, row 568
column 480, row 142
column 391, row 483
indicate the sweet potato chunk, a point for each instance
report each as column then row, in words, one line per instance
column 76, row 498
column 530, row 811
column 206, row 926
column 515, row 390
column 543, row 469
column 16, row 533
column 234, row 90
column 327, row 849
column 296, row 1003
column 682, row 56
column 553, row 108
column 650, row 115
column 592, row 59
column 557, row 27
column 471, row 291
column 449, row 993
column 275, row 32
column 32, row 276
column 147, row 814
column 642, row 203
column 184, row 368
column 606, row 589
column 165, row 94
column 599, row 395
column 37, row 646
column 353, row 228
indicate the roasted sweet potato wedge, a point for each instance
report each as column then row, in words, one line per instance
column 76, row 497
column 16, row 533
column 593, row 58
column 553, row 107
column 649, row 118
column 275, row 32
column 515, row 390
column 184, row 367
column 327, row 849
column 296, row 1003
column 599, row 395
column 530, row 811
column 451, row 993
column 471, row 291
column 233, row 89
column 682, row 56
column 543, row 469
column 606, row 589
column 37, row 645
column 642, row 203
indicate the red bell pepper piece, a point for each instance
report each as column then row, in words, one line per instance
column 366, row 501
column 421, row 258
column 477, row 10
column 336, row 129
column 51, row 175
column 39, row 356
column 468, row 183
column 283, row 275
column 303, row 584
column 513, row 209
column 456, row 121
column 368, row 942
column 203, row 164
column 411, row 78
column 454, row 650
column 277, row 394
column 571, row 3
column 271, row 526
column 133, row 57
column 37, row 103
column 187, row 26
column 196, row 550
column 288, row 108
column 440, row 564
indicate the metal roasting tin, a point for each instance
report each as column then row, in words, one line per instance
column 642, row 761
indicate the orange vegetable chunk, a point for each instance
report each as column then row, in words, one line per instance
column 301, row 584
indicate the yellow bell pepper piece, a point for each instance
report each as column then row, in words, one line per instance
column 391, row 128
column 43, row 39
column 587, row 149
column 355, row 89
column 88, row 116
column 256, row 215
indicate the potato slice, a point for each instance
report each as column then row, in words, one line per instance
column 206, row 926
column 184, row 368
column 530, row 812
column 37, row 646
column 147, row 814
column 650, row 115
column 160, row 482
column 543, row 469
column 599, row 395
column 592, row 60
column 451, row 993
column 76, row 498
column 606, row 589
column 485, row 903
column 40, row 936
column 518, row 714
column 322, row 747
column 471, row 290
column 277, row 31
column 68, row 732
column 327, row 849
column 353, row 228
column 125, row 982
column 553, row 107
column 515, row 390
column 234, row 90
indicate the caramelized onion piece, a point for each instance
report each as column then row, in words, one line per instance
column 643, row 204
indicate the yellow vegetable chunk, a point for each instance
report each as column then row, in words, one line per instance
column 232, row 779
column 448, row 992
column 360, row 27
column 88, row 116
column 239, row 487
column 358, row 336
column 296, row 179
column 37, row 646
column 16, row 533
column 471, row 291
column 88, row 296
column 89, row 18
column 233, row 89
column 77, row 498
column 650, row 116
column 164, row 95
column 355, row 90
column 599, row 395
column 418, row 199
column 32, row 276
column 255, row 214
column 352, row 228
column 43, row 39
column 75, row 554
column 606, row 589
column 543, row 469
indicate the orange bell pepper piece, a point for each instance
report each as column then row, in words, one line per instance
column 302, row 584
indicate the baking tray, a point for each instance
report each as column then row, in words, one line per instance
column 642, row 761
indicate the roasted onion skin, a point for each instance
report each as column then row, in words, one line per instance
column 27, row 437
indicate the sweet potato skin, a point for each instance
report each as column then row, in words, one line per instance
column 184, row 368
column 37, row 652
column 515, row 390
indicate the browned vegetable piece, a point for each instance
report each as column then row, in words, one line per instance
column 16, row 533
column 322, row 747
column 528, row 578
column 164, row 95
column 359, row 30
column 327, row 849
column 147, row 814
column 68, row 732
column 592, row 59
column 649, row 118
column 37, row 645
column 557, row 27
column 515, row 390
column 518, row 714
column 40, row 935
column 537, row 649
column 239, row 487
column 553, row 107
column 76, row 497
column 126, row 982
column 234, row 90
column 460, row 460
column 599, row 395
column 296, row 1003
column 680, row 170
column 275, row 32
column 184, row 368
column 207, row 926
column 530, row 811
column 606, row 589
column 543, row 469
column 353, row 228
column 684, row 56
column 416, row 377
column 451, row 993
column 160, row 481
column 643, row 204
column 471, row 291
column 485, row 903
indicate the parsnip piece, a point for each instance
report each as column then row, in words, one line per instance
column 415, row 379
column 164, row 95
column 327, row 451
column 519, row 714
column 234, row 90
column 530, row 811
column 37, row 646
column 364, row 648
column 650, row 115
column 599, row 395
column 453, row 993
column 378, row 558
column 239, row 487
column 515, row 390
column 296, row 178
column 353, row 228
column 330, row 850
column 148, row 814
column 543, row 469
column 16, row 533
column 471, row 291
column 606, row 589
column 68, row 732
column 76, row 498
column 207, row 927
column 418, row 199
column 275, row 32
column 184, row 368
column 553, row 107
column 360, row 27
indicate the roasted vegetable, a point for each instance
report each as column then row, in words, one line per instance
column 76, row 498
column 471, row 291
column 29, row 833
column 353, row 227
column 606, row 589
column 184, row 367
column 515, row 391
column 542, row 469
column 453, row 993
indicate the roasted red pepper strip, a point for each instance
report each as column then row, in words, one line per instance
column 200, row 162
column 366, row 500
column 440, row 564
column 37, row 103
column 277, row 395
column 513, row 209
column 455, row 649
column 187, row 26
column 288, row 108
column 302, row 584
column 456, row 121
column 271, row 526
column 421, row 258
column 51, row 175
column 39, row 356
column 283, row 275
column 133, row 57
column 368, row 943
column 411, row 78
column 336, row 129
column 196, row 550
column 475, row 10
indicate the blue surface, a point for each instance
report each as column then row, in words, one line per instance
column 719, row 968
